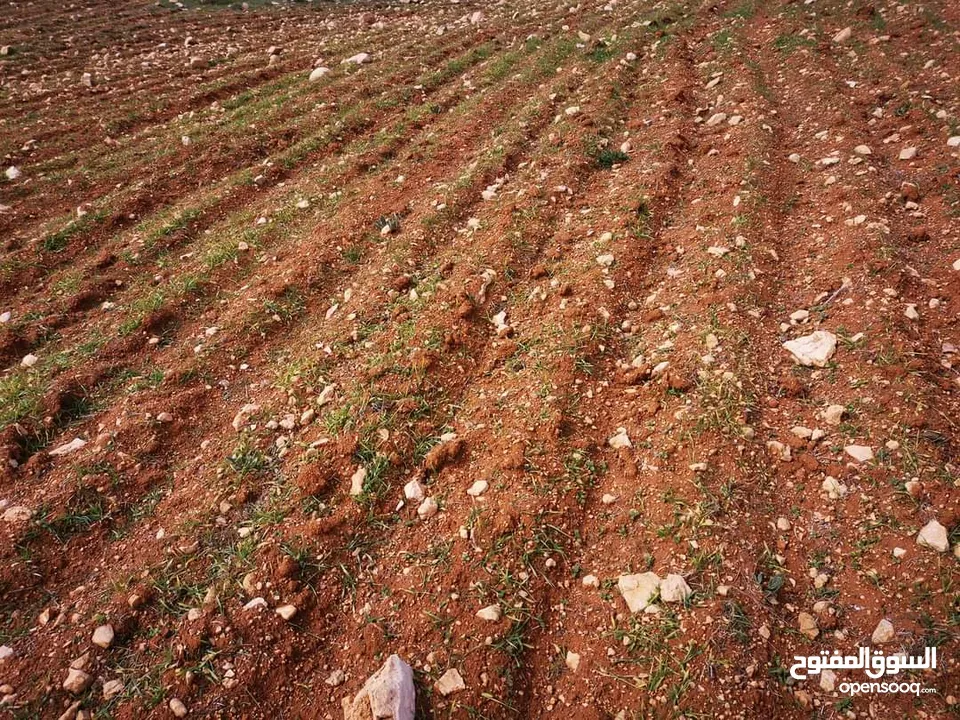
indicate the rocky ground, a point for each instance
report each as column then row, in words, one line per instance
column 594, row 359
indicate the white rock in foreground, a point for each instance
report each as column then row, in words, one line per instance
column 413, row 490
column 620, row 440
column 883, row 633
column 478, row 488
column 860, row 453
column 491, row 613
column 17, row 514
column 449, row 683
column 428, row 508
column 68, row 448
column 356, row 481
column 638, row 590
column 358, row 59
column 814, row 349
column 103, row 636
column 843, row 35
column 318, row 73
column 674, row 589
column 388, row 693
column 933, row 535
column 833, row 414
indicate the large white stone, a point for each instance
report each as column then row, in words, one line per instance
column 883, row 633
column 814, row 349
column 933, row 535
column 674, row 589
column 70, row 447
column 449, row 683
column 388, row 693
column 860, row 453
column 638, row 590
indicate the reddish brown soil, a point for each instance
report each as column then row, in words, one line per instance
column 159, row 261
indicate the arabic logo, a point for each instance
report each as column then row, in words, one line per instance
column 875, row 666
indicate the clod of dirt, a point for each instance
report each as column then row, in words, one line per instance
column 443, row 454
column 388, row 693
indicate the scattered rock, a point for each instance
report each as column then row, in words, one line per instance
column 388, row 693
column 620, row 439
column 318, row 73
column 491, row 613
column 336, row 678
column 77, row 681
column 860, row 453
column 843, row 35
column 358, row 59
column 112, row 688
column 427, row 509
column 29, row 360
column 17, row 514
column 413, row 490
column 883, row 633
column 828, row 680
column 638, row 590
column 244, row 414
column 934, row 536
column 833, row 414
column 103, row 636
column 478, row 488
column 69, row 447
column 287, row 612
column 356, row 481
column 450, row 682
column 908, row 153
column 572, row 661
column 814, row 349
column 808, row 625
column 177, row 707
column 674, row 589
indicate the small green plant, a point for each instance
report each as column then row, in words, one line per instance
column 608, row 157
column 247, row 460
